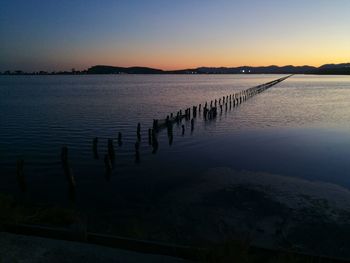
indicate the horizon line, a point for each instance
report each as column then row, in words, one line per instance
column 177, row 69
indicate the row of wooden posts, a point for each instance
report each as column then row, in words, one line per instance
column 210, row 111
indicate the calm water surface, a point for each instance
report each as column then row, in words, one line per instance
column 299, row 129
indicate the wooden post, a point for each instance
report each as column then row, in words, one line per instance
column 155, row 125
column 138, row 132
column 137, row 151
column 170, row 138
column 154, row 142
column 120, row 139
column 150, row 136
column 111, row 152
column 137, row 146
column 137, row 157
column 66, row 167
column 108, row 166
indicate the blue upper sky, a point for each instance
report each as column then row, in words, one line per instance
column 56, row 35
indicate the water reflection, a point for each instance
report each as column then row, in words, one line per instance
column 296, row 134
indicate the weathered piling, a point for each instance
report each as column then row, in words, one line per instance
column 137, row 157
column 108, row 166
column 229, row 101
column 205, row 113
column 110, row 148
column 177, row 118
column 137, row 151
column 212, row 113
column 120, row 139
column 66, row 167
column 154, row 142
column 194, row 111
column 137, row 146
column 138, row 132
column 215, row 112
column 20, row 175
column 192, row 124
column 155, row 125
column 183, row 130
column 150, row 136
column 170, row 139
column 94, row 147
column 170, row 132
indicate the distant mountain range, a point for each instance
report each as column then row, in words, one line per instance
column 328, row 69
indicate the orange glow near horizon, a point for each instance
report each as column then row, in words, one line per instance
column 223, row 52
column 174, row 35
column 223, row 58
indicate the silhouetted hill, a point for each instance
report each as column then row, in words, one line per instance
column 258, row 70
column 335, row 66
column 101, row 69
column 334, row 69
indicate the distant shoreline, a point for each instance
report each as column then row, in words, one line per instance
column 164, row 74
column 327, row 69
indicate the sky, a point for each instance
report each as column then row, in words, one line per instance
column 64, row 34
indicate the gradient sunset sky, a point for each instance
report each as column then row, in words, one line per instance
column 64, row 34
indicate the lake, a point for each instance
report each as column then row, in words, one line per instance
column 274, row 169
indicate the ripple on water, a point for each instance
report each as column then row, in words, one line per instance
column 72, row 110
